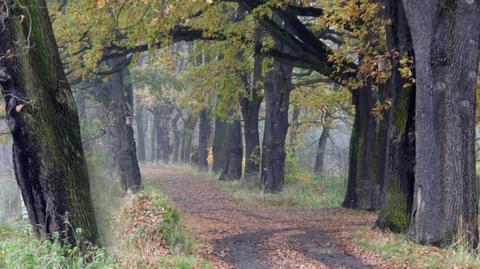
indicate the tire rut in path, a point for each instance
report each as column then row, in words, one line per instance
column 235, row 235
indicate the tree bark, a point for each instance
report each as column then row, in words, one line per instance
column 362, row 182
column 322, row 144
column 203, row 138
column 218, row 149
column 445, row 35
column 399, row 176
column 277, row 89
column 117, row 99
column 48, row 158
column 232, row 169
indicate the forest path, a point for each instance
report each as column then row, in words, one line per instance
column 236, row 235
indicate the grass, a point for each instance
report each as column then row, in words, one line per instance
column 311, row 192
column 146, row 232
column 20, row 248
column 413, row 255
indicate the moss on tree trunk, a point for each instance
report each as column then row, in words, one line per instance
column 48, row 157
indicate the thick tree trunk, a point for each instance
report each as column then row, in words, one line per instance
column 277, row 99
column 232, row 169
column 445, row 35
column 204, row 128
column 218, row 149
column 187, row 138
column 48, row 157
column 399, row 174
column 117, row 99
column 321, row 147
column 140, row 132
column 362, row 182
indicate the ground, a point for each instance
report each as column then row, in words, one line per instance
column 235, row 235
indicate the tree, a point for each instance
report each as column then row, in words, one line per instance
column 139, row 120
column 277, row 88
column 116, row 95
column 218, row 148
column 232, row 166
column 399, row 176
column 204, row 128
column 48, row 157
column 445, row 36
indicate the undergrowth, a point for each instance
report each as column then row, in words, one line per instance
column 413, row 255
column 146, row 233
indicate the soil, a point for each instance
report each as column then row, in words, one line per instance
column 232, row 234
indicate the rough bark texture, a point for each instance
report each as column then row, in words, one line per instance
column 117, row 98
column 232, row 169
column 445, row 35
column 218, row 148
column 277, row 89
column 322, row 144
column 399, row 176
column 204, row 128
column 48, row 157
column 361, row 182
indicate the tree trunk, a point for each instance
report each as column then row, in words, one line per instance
column 117, row 99
column 232, row 169
column 176, row 137
column 203, row 137
column 322, row 144
column 294, row 126
column 250, row 112
column 219, row 141
column 188, row 129
column 162, row 121
column 140, row 132
column 250, row 108
column 48, row 158
column 445, row 35
column 399, row 177
column 153, row 139
column 277, row 99
column 362, row 181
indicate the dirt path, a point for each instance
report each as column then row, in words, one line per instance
column 235, row 235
